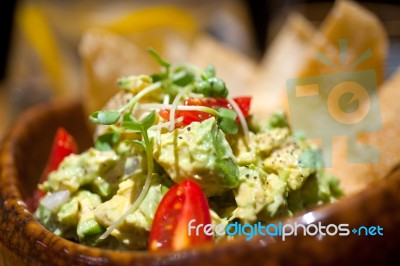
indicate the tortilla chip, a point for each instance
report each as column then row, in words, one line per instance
column 350, row 31
column 301, row 51
column 355, row 177
column 286, row 54
column 293, row 54
column 284, row 59
column 386, row 139
column 362, row 30
column 107, row 57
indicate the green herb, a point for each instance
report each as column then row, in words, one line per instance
column 227, row 121
column 107, row 140
column 159, row 59
column 156, row 77
column 187, row 76
column 125, row 83
column 207, row 84
column 133, row 82
column 277, row 120
column 105, row 117
column 208, row 73
column 211, row 86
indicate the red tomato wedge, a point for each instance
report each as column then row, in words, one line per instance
column 63, row 145
column 244, row 104
column 184, row 204
column 197, row 116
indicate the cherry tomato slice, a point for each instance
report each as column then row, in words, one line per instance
column 244, row 104
column 184, row 204
column 197, row 116
column 63, row 145
column 188, row 116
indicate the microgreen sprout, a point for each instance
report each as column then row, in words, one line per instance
column 159, row 59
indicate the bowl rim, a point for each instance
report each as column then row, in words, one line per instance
column 29, row 230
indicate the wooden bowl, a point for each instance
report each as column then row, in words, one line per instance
column 23, row 241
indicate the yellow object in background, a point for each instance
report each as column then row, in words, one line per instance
column 43, row 29
column 38, row 32
column 154, row 17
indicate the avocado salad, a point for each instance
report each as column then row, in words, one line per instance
column 176, row 125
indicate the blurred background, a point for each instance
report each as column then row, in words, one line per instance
column 41, row 57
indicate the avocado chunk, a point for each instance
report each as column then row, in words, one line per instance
column 76, row 171
column 286, row 162
column 68, row 215
column 200, row 152
column 259, row 145
column 260, row 196
column 89, row 227
column 318, row 189
column 133, row 232
column 88, row 230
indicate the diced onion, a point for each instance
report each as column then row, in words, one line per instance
column 54, row 200
column 131, row 165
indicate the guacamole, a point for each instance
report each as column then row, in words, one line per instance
column 181, row 124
